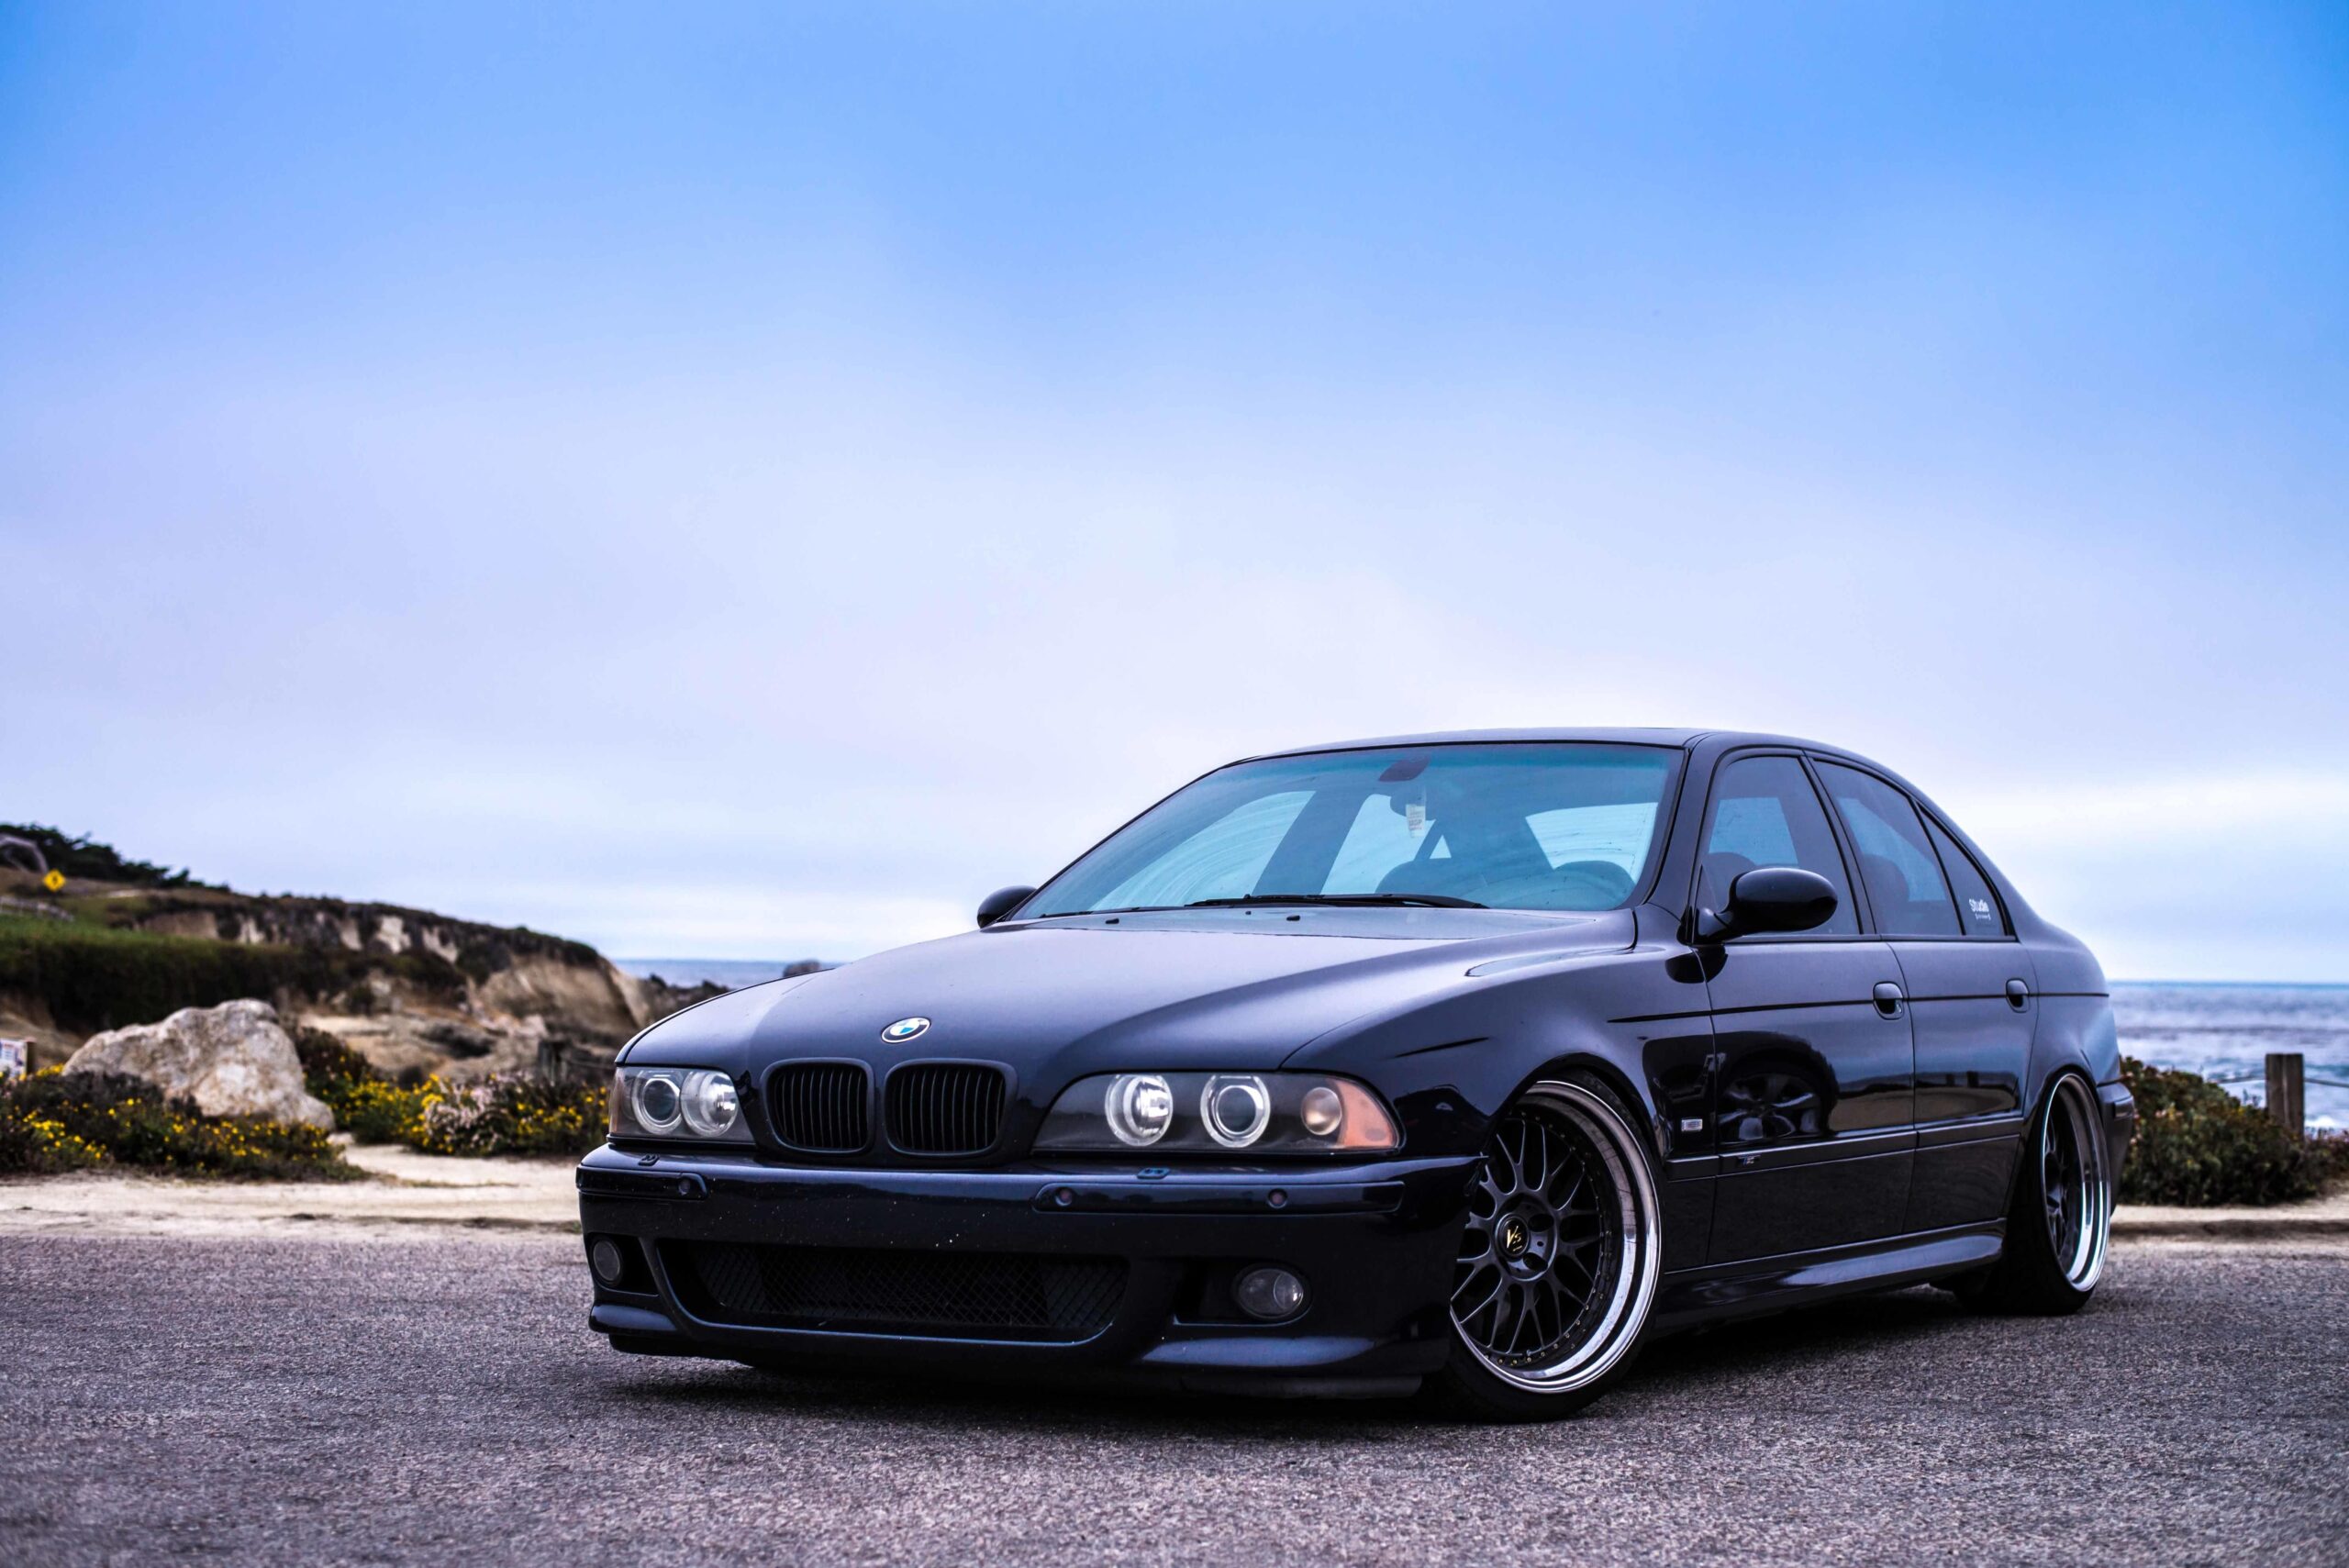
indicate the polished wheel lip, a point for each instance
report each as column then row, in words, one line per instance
column 2075, row 1192
column 1638, row 1234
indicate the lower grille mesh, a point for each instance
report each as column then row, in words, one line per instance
column 971, row 1295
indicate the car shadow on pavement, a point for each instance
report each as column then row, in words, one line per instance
column 1783, row 1346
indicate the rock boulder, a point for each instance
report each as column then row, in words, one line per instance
column 232, row 1059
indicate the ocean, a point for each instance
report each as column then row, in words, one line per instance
column 732, row 973
column 2225, row 1030
column 2220, row 1030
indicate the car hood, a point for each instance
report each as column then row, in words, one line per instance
column 1053, row 1000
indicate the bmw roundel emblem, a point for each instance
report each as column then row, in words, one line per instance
column 904, row 1029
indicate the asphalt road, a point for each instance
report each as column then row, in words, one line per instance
column 418, row 1402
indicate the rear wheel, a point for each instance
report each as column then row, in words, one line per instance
column 2060, row 1221
column 1558, row 1258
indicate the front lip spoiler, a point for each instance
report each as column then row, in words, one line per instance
column 1304, row 1368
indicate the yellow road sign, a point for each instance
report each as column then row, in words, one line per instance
column 54, row 880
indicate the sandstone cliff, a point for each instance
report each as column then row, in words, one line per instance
column 408, row 989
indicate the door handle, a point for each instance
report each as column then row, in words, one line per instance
column 1888, row 999
column 2018, row 995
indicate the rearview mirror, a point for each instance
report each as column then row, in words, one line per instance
column 1769, row 899
column 1004, row 900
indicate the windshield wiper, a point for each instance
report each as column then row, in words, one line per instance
column 1424, row 900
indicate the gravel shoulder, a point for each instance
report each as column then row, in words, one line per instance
column 438, row 1399
column 404, row 1190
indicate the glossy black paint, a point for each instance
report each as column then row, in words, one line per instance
column 1769, row 899
column 1827, row 1111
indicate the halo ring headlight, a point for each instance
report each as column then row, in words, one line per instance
column 1139, row 1107
column 659, row 1103
column 711, row 1106
column 1236, row 1108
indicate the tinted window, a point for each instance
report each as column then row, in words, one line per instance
column 1977, row 905
column 1535, row 825
column 1766, row 814
column 1896, row 860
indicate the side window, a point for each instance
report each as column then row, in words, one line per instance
column 1766, row 814
column 1896, row 860
column 1977, row 905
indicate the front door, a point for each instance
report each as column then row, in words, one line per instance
column 1813, row 1088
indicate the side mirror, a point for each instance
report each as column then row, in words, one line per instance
column 1769, row 899
column 1004, row 900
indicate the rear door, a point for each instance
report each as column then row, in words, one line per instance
column 1812, row 1096
column 1968, row 983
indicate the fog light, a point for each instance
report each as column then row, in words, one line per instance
column 604, row 1258
column 1269, row 1293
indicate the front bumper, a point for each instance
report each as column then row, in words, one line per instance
column 1375, row 1244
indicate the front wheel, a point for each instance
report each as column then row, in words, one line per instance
column 1558, row 1258
column 2061, row 1219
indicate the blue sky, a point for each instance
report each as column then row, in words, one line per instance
column 745, row 481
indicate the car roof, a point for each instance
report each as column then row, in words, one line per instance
column 1660, row 736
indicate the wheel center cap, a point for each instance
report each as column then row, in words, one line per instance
column 1515, row 1237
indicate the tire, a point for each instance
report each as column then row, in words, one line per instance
column 2059, row 1224
column 1558, row 1258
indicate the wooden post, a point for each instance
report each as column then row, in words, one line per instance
column 2287, row 1095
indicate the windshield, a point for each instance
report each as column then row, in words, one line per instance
column 1534, row 826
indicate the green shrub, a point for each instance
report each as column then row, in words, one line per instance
column 326, row 1059
column 366, row 1105
column 127, row 1121
column 92, row 978
column 490, row 1116
column 33, row 1143
column 510, row 1115
column 2197, row 1144
column 380, row 1112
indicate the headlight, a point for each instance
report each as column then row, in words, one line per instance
column 1139, row 1107
column 711, row 1108
column 1217, row 1113
column 676, row 1102
column 1236, row 1108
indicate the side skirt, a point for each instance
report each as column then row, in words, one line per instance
column 1756, row 1286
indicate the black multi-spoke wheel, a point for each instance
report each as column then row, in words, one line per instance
column 1558, row 1256
column 2061, row 1221
column 1539, row 1256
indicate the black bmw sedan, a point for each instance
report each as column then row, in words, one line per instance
column 1465, row 1060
